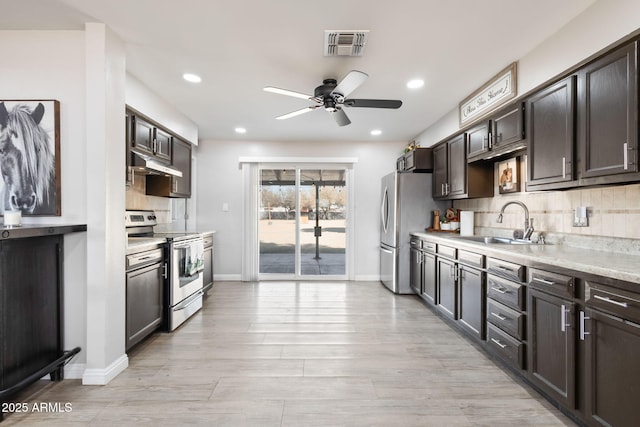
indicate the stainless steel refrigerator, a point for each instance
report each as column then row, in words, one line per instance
column 406, row 205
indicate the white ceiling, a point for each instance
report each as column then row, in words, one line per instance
column 240, row 46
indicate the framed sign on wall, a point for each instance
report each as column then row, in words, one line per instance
column 497, row 91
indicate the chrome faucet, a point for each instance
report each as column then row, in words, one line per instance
column 528, row 223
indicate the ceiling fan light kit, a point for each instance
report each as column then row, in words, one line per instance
column 332, row 96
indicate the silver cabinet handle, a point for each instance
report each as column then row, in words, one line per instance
column 625, row 155
column 498, row 316
column 611, row 301
column 563, row 318
column 564, row 167
column 583, row 332
column 164, row 271
column 490, row 140
column 500, row 267
column 500, row 290
column 544, row 282
column 498, row 343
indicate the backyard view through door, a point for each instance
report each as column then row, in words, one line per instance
column 302, row 229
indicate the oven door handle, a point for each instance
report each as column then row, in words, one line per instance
column 191, row 300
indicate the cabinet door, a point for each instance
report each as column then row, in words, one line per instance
column 550, row 118
column 144, row 303
column 457, row 166
column 612, row 369
column 162, row 145
column 182, row 161
column 472, row 300
column 429, row 278
column 507, row 126
column 447, row 287
column 608, row 101
column 207, row 274
column 142, row 135
column 478, row 140
column 440, row 170
column 415, row 270
column 31, row 333
column 551, row 336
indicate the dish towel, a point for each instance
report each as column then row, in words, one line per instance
column 194, row 258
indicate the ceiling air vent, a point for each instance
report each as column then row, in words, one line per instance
column 345, row 43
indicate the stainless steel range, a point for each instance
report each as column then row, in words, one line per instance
column 185, row 261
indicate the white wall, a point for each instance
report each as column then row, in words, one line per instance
column 50, row 65
column 602, row 24
column 220, row 181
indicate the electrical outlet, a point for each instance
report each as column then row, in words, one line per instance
column 581, row 217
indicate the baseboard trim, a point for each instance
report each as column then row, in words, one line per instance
column 227, row 278
column 74, row 371
column 368, row 278
column 104, row 376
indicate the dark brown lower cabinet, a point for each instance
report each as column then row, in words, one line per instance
column 31, row 319
column 551, row 350
column 144, row 303
column 447, row 287
column 429, row 277
column 472, row 300
column 612, row 370
column 415, row 270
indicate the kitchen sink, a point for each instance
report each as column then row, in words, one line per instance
column 499, row 240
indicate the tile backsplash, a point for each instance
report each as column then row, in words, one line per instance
column 614, row 211
column 138, row 200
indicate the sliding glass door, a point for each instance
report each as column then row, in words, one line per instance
column 302, row 229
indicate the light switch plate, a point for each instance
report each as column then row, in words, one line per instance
column 225, row 207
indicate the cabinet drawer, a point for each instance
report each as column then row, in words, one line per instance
column 509, row 293
column 508, row 320
column 447, row 251
column 506, row 269
column 471, row 258
column 616, row 301
column 555, row 283
column 506, row 346
column 429, row 247
column 207, row 240
column 415, row 242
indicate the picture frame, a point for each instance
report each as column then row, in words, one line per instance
column 509, row 175
column 494, row 93
column 30, row 132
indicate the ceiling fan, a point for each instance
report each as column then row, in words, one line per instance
column 333, row 96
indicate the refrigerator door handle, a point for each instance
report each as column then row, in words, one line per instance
column 384, row 209
column 385, row 250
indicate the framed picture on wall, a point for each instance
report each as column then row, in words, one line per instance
column 509, row 171
column 30, row 157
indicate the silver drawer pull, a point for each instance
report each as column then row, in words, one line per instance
column 609, row 300
column 510, row 270
column 544, row 282
column 498, row 343
column 499, row 290
column 498, row 316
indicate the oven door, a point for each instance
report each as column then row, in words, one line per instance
column 186, row 270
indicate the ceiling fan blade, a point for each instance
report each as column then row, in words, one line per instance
column 287, row 92
column 373, row 103
column 350, row 82
column 340, row 117
column 297, row 112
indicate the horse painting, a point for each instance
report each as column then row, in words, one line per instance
column 27, row 161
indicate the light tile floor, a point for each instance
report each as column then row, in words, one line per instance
column 301, row 354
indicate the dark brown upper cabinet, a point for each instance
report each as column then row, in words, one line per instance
column 551, row 136
column 503, row 133
column 607, row 109
column 149, row 140
column 173, row 186
column 453, row 178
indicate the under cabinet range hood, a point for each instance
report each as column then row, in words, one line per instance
column 142, row 163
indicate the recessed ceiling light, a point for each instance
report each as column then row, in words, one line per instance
column 192, row 78
column 376, row 132
column 415, row 83
column 241, row 130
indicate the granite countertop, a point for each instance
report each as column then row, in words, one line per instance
column 613, row 265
